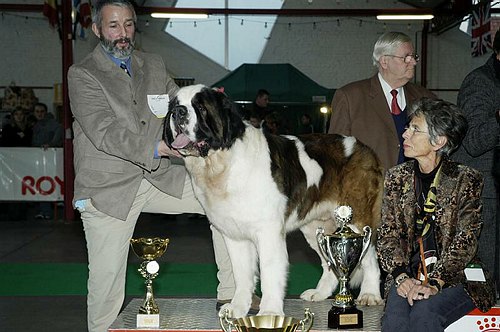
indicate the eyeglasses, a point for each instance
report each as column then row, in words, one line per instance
column 407, row 58
column 415, row 130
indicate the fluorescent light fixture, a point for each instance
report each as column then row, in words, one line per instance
column 178, row 15
column 405, row 17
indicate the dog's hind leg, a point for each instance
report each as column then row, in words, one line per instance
column 243, row 256
column 328, row 282
column 368, row 275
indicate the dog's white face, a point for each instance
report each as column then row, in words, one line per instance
column 182, row 119
column 200, row 119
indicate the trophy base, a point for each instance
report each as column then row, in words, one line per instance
column 339, row 318
column 148, row 320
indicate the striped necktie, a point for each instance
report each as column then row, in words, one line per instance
column 124, row 67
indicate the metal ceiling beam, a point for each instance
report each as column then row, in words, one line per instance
column 285, row 12
column 254, row 11
column 9, row 7
column 247, row 11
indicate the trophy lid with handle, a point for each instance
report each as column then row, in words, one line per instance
column 343, row 215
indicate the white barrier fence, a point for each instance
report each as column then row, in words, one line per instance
column 31, row 174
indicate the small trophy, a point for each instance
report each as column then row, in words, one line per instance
column 266, row 323
column 343, row 250
column 149, row 249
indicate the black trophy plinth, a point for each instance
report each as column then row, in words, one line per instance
column 345, row 318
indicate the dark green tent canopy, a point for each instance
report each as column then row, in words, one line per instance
column 285, row 83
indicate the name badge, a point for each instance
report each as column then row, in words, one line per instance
column 474, row 272
column 158, row 104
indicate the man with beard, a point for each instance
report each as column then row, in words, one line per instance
column 123, row 167
column 373, row 109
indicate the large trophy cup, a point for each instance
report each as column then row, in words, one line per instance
column 266, row 323
column 343, row 250
column 149, row 249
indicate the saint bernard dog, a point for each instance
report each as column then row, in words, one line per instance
column 256, row 187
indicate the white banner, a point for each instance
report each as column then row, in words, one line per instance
column 31, row 174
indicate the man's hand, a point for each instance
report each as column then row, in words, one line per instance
column 165, row 151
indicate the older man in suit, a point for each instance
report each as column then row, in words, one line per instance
column 479, row 99
column 118, row 97
column 373, row 110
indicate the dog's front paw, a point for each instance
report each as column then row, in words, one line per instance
column 234, row 310
column 369, row 299
column 314, row 295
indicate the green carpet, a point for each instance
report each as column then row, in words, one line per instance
column 174, row 279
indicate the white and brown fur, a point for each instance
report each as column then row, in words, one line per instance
column 256, row 187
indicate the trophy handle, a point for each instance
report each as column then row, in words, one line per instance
column 308, row 320
column 320, row 237
column 226, row 323
column 366, row 241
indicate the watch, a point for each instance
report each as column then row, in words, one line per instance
column 435, row 283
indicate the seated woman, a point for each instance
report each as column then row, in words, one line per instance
column 17, row 132
column 431, row 220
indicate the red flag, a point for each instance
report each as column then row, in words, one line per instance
column 51, row 12
column 481, row 33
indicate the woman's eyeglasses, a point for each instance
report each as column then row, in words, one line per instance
column 414, row 130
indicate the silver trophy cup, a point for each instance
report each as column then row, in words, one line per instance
column 343, row 251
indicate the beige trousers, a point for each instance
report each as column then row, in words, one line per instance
column 108, row 243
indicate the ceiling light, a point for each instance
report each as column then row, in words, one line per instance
column 178, row 15
column 405, row 17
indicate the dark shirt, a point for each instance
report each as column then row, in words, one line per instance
column 13, row 136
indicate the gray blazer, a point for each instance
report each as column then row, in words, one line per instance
column 360, row 109
column 479, row 99
column 115, row 131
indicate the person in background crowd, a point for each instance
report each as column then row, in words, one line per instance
column 259, row 109
column 373, row 110
column 479, row 99
column 431, row 221
column 306, row 126
column 16, row 133
column 271, row 124
column 254, row 120
column 47, row 132
column 118, row 150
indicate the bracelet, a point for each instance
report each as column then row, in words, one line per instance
column 400, row 279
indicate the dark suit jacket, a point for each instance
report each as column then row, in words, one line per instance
column 457, row 226
column 479, row 99
column 115, row 131
column 360, row 109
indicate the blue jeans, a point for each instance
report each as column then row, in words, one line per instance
column 431, row 315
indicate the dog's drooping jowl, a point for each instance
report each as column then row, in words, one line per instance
column 255, row 187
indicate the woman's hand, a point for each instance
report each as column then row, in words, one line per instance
column 405, row 287
column 420, row 292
